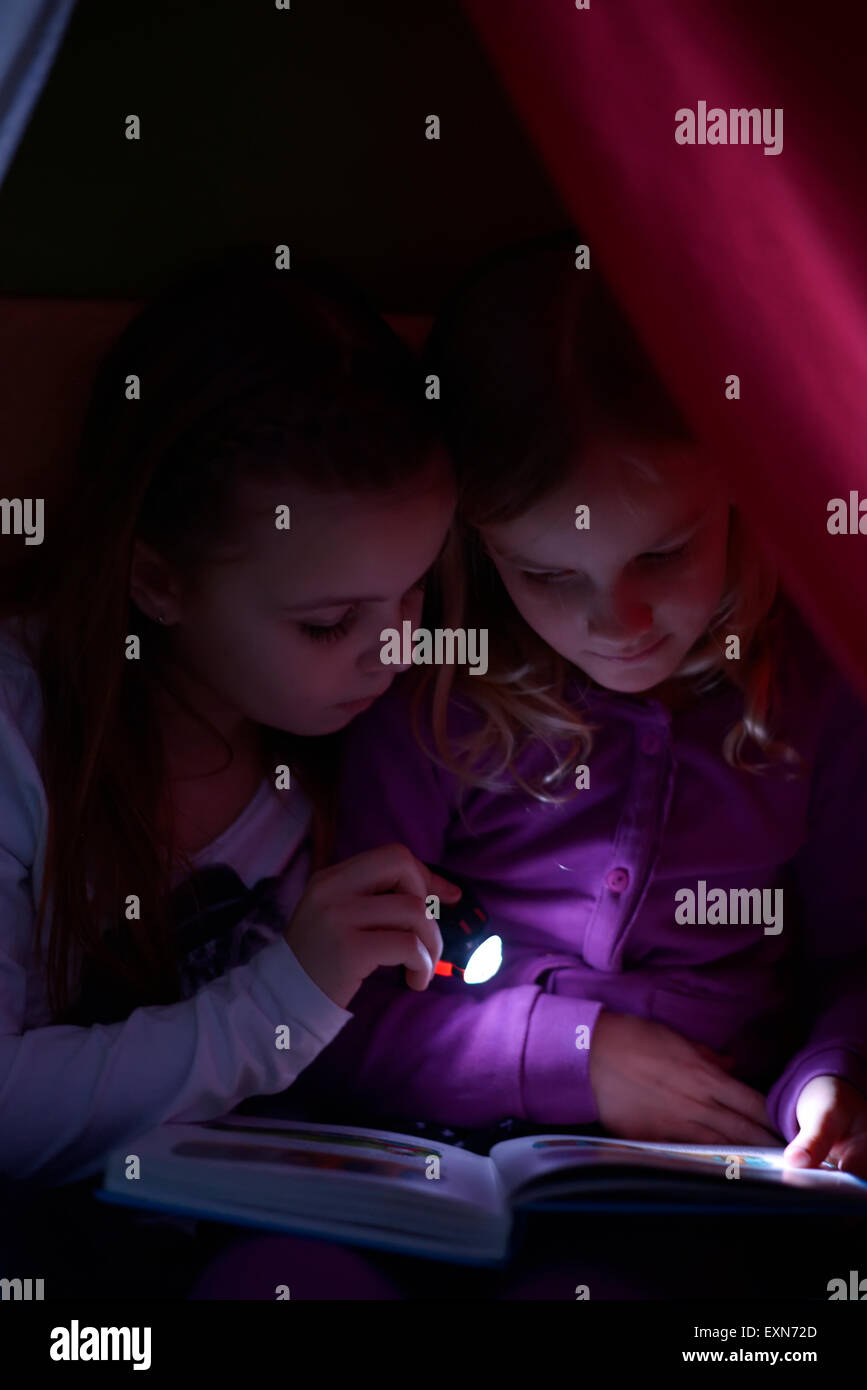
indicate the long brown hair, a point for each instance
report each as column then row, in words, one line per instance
column 536, row 360
column 243, row 368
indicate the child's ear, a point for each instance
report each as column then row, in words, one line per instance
column 151, row 585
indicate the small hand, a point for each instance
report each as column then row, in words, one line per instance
column 366, row 912
column 832, row 1116
column 650, row 1082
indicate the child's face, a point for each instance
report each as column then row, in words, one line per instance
column 288, row 635
column 627, row 598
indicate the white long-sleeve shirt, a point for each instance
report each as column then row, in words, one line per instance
column 69, row 1094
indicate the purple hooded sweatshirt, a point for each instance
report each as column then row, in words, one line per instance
column 583, row 896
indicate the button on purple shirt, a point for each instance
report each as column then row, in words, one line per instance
column 583, row 895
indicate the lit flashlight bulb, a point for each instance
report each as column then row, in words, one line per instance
column 469, row 949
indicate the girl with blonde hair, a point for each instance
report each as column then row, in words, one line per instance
column 657, row 789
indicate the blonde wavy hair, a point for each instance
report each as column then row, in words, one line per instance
column 535, row 360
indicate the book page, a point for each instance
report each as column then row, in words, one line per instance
column 536, row 1159
column 383, row 1153
column 374, row 1187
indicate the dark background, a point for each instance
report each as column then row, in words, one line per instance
column 304, row 126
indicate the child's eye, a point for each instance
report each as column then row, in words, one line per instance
column 331, row 632
column 548, row 577
column 659, row 557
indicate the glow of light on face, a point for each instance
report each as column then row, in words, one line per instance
column 484, row 962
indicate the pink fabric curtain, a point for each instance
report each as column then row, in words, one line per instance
column 727, row 259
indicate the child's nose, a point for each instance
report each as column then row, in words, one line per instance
column 621, row 620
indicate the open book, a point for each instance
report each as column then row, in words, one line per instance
column 393, row 1192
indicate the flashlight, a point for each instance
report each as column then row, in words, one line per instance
column 470, row 950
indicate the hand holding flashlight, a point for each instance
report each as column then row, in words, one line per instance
column 368, row 911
